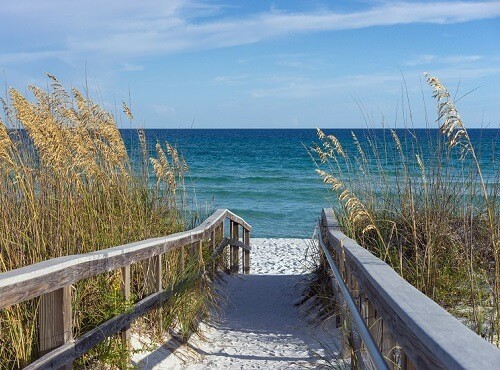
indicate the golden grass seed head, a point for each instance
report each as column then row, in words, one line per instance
column 320, row 133
column 336, row 144
column 127, row 111
column 6, row 147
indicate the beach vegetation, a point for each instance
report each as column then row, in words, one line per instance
column 68, row 186
column 427, row 203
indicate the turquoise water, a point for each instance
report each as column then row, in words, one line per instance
column 267, row 176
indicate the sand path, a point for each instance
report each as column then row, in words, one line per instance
column 257, row 326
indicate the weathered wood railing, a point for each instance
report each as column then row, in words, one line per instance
column 51, row 280
column 410, row 330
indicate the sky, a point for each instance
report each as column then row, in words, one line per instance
column 261, row 64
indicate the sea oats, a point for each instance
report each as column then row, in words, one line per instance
column 320, row 133
column 422, row 168
column 158, row 169
column 9, row 113
column 6, row 146
column 329, row 179
column 336, row 144
column 59, row 93
column 396, row 141
column 73, row 190
column 452, row 127
column 162, row 157
column 359, row 147
column 323, row 156
column 142, row 142
column 127, row 111
column 172, row 151
column 330, row 143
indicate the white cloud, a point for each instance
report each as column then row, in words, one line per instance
column 165, row 111
column 353, row 84
column 293, row 88
column 439, row 60
column 230, row 80
column 29, row 56
column 129, row 67
column 175, row 34
column 162, row 27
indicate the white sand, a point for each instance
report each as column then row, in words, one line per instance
column 257, row 325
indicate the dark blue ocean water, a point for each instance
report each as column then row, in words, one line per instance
column 268, row 177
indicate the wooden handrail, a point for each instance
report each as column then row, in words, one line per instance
column 75, row 348
column 429, row 337
column 52, row 279
column 44, row 277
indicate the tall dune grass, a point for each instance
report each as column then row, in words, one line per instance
column 424, row 205
column 68, row 186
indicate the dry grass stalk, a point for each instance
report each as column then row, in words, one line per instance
column 68, row 186
column 437, row 226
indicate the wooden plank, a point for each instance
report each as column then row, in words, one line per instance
column 230, row 215
column 235, row 261
column 31, row 281
column 224, row 253
column 336, row 296
column 77, row 347
column 428, row 335
column 246, row 252
column 388, row 346
column 240, row 244
column 406, row 363
column 125, row 333
column 220, row 247
column 52, row 278
column 212, row 249
column 54, row 320
column 73, row 349
column 212, row 240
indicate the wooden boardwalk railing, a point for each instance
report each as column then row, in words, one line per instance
column 52, row 279
column 410, row 330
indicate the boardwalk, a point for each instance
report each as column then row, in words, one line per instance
column 257, row 326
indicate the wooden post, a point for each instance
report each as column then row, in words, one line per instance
column 356, row 359
column 406, row 364
column 234, row 257
column 193, row 252
column 231, row 235
column 54, row 320
column 336, row 293
column 224, row 256
column 341, row 265
column 343, row 320
column 246, row 253
column 212, row 241
column 371, row 320
column 388, row 347
column 212, row 249
column 322, row 258
column 125, row 333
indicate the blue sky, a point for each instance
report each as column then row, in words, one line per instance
column 252, row 64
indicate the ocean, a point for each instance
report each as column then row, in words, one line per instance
column 267, row 176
